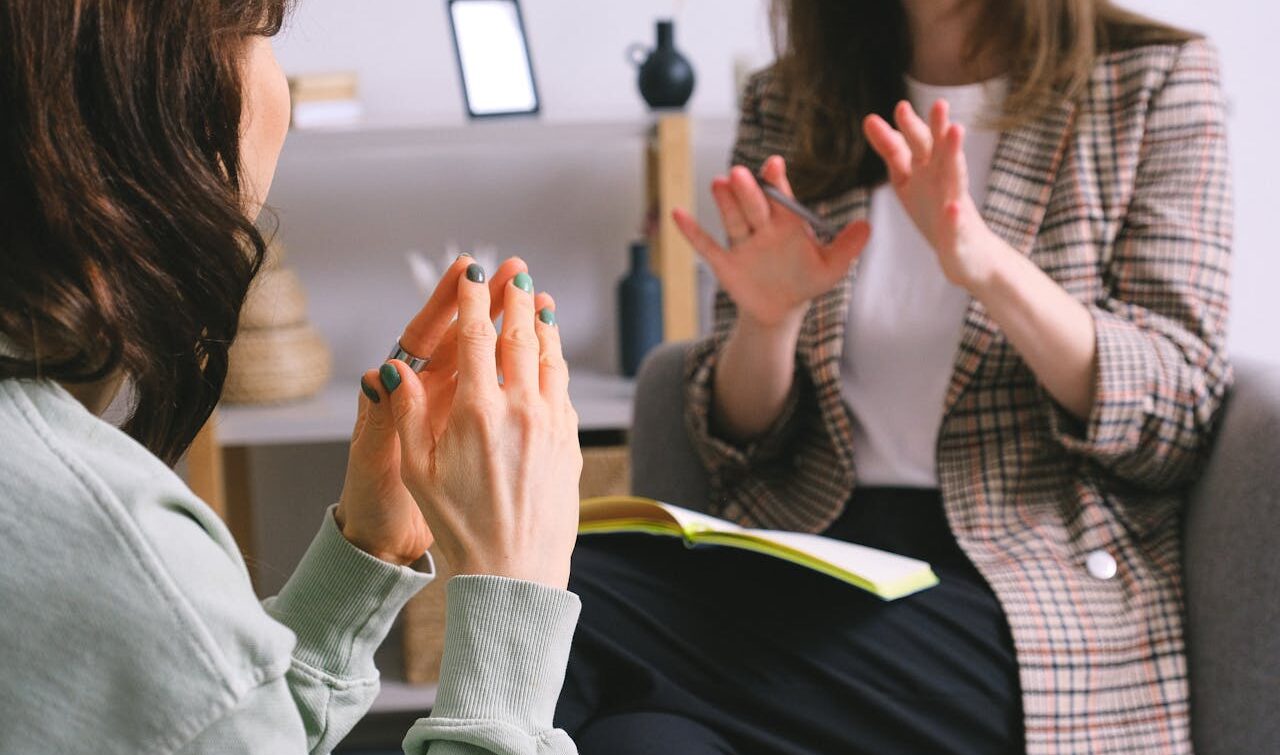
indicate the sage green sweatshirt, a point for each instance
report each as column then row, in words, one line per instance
column 128, row 623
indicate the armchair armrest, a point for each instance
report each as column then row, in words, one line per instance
column 1232, row 563
column 664, row 464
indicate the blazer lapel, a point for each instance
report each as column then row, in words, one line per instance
column 1023, row 173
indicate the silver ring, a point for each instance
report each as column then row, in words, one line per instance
column 417, row 364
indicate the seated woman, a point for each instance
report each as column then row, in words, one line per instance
column 1017, row 383
column 139, row 139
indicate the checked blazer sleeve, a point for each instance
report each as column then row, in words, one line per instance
column 1162, row 370
column 723, row 459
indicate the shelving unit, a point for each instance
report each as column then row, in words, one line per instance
column 531, row 134
column 663, row 147
column 603, row 402
column 218, row 465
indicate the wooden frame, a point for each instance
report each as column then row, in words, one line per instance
column 670, row 185
column 219, row 475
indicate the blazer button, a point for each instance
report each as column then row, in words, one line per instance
column 1101, row 565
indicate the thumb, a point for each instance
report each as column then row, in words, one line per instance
column 845, row 248
column 408, row 400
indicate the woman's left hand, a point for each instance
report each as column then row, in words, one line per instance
column 928, row 172
column 375, row 512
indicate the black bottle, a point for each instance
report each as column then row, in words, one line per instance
column 639, row 310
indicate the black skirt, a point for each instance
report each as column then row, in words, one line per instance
column 718, row 650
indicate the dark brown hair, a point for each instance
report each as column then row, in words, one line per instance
column 841, row 60
column 123, row 240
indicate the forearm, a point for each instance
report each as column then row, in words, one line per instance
column 753, row 377
column 1053, row 332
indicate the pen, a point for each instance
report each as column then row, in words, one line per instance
column 821, row 228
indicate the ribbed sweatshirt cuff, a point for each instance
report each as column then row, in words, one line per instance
column 341, row 602
column 506, row 649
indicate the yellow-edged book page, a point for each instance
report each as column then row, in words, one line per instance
column 881, row 573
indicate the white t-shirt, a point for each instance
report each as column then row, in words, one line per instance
column 905, row 319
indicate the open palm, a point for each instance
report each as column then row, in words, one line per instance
column 774, row 265
column 928, row 172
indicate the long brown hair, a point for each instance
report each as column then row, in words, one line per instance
column 123, row 240
column 841, row 60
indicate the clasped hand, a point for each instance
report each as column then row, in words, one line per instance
column 487, row 467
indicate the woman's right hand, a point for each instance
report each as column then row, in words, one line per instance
column 496, row 475
column 774, row 265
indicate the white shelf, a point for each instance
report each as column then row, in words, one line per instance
column 401, row 697
column 603, row 402
column 360, row 141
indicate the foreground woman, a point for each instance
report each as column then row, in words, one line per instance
column 1018, row 384
column 139, row 139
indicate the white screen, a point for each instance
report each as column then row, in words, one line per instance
column 495, row 63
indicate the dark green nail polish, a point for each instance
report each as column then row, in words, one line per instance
column 369, row 393
column 547, row 315
column 523, row 282
column 390, row 377
column 475, row 273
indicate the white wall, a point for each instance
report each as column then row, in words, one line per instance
column 350, row 207
column 404, row 53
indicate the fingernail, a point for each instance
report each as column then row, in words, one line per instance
column 547, row 315
column 389, row 376
column 369, row 393
column 475, row 273
column 523, row 282
column 462, row 255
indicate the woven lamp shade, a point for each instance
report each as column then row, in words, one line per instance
column 276, row 300
column 277, row 356
column 276, row 365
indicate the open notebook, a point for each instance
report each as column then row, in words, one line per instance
column 886, row 575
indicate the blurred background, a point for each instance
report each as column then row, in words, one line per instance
column 567, row 190
column 567, row 196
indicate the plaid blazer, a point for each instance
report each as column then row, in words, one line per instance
column 1123, row 198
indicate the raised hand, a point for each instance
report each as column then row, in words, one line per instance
column 928, row 172
column 774, row 265
column 494, row 466
column 439, row 377
column 376, row 511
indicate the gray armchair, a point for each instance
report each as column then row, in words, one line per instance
column 1232, row 553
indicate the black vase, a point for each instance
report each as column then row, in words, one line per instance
column 666, row 78
column 639, row 310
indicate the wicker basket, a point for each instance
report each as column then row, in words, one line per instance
column 275, row 365
column 605, row 471
column 274, row 259
column 276, row 299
